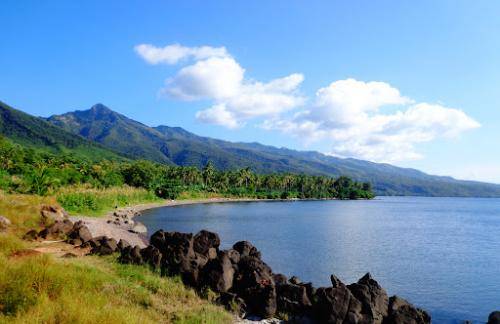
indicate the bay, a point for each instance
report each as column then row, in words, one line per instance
column 442, row 254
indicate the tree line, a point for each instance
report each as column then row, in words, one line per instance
column 27, row 170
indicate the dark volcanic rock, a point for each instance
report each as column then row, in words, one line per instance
column 401, row 311
column 152, row 256
column 80, row 232
column 218, row 273
column 232, row 303
column 255, row 284
column 494, row 318
column 234, row 256
column 246, row 248
column 280, row 279
column 336, row 304
column 373, row 298
column 292, row 299
column 106, row 246
column 59, row 229
column 178, row 255
column 131, row 255
column 247, row 284
column 204, row 241
column 31, row 235
column 123, row 244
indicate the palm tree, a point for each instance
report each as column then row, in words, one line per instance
column 245, row 175
column 208, row 173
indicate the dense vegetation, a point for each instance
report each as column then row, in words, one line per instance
column 30, row 171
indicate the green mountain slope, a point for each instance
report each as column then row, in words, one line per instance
column 36, row 133
column 176, row 145
column 124, row 135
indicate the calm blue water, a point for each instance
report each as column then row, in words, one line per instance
column 442, row 254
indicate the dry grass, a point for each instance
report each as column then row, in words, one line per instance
column 23, row 210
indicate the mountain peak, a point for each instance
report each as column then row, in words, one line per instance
column 100, row 108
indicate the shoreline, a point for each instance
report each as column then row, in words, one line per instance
column 173, row 203
column 120, row 223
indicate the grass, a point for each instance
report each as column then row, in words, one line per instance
column 95, row 202
column 95, row 290
column 46, row 289
column 23, row 210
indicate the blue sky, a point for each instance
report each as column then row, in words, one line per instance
column 416, row 84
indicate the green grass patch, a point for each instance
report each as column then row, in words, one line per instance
column 95, row 202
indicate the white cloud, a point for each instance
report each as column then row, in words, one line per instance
column 347, row 115
column 172, row 54
column 216, row 76
column 218, row 115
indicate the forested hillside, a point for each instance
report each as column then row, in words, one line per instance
column 175, row 145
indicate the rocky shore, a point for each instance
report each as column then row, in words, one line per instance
column 243, row 282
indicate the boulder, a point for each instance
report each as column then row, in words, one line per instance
column 204, row 241
column 401, row 311
column 80, row 232
column 191, row 271
column 106, row 246
column 122, row 244
column 234, row 256
column 31, row 235
column 4, row 223
column 58, row 230
column 373, row 298
column 246, row 248
column 178, row 255
column 92, row 243
column 292, row 299
column 335, row 304
column 50, row 213
column 176, row 248
column 218, row 273
column 280, row 279
column 255, row 284
column 151, row 256
column 232, row 303
column 494, row 318
column 131, row 255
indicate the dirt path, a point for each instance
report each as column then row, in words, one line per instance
column 60, row 249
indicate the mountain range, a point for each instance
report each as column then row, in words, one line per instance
column 102, row 132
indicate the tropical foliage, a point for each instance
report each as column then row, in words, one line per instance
column 30, row 171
